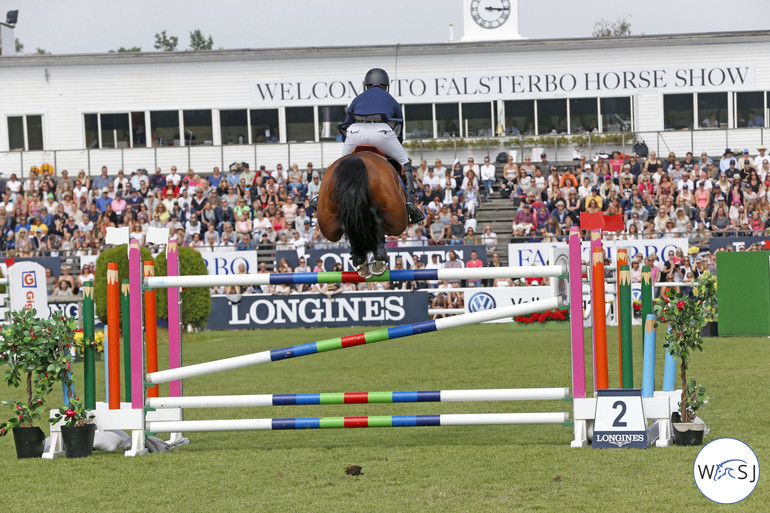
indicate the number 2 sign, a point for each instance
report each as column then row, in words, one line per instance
column 620, row 420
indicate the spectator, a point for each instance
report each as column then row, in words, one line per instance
column 487, row 176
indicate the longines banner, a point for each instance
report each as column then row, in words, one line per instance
column 313, row 310
column 516, row 83
column 228, row 262
column 538, row 253
column 409, row 255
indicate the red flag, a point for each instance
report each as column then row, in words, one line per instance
column 613, row 223
column 590, row 221
column 9, row 262
column 766, row 244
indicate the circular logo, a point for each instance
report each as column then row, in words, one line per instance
column 481, row 301
column 726, row 470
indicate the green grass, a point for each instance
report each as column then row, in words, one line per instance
column 494, row 468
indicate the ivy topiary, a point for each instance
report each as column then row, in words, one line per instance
column 117, row 254
column 196, row 301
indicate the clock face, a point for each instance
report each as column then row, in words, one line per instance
column 490, row 14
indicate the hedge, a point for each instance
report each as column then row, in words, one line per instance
column 196, row 301
column 117, row 254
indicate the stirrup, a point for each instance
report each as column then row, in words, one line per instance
column 415, row 214
column 314, row 203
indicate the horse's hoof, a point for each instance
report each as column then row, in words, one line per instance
column 378, row 267
column 364, row 271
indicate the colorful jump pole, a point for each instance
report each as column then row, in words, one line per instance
column 151, row 326
column 576, row 315
column 596, row 243
column 125, row 305
column 621, row 259
column 370, row 337
column 648, row 366
column 646, row 296
column 669, row 371
column 174, row 318
column 89, row 361
column 599, row 319
column 137, row 348
column 626, row 316
column 457, row 419
column 419, row 396
column 113, row 338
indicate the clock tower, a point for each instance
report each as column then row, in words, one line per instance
column 490, row 20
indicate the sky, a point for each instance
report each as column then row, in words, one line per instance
column 96, row 26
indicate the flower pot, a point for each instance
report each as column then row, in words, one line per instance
column 78, row 440
column 687, row 433
column 29, row 441
column 710, row 330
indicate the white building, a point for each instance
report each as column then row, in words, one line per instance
column 205, row 109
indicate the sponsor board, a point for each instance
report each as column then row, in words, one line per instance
column 480, row 299
column 27, row 288
column 539, row 253
column 726, row 470
column 737, row 243
column 619, row 420
column 409, row 255
column 52, row 263
column 70, row 310
column 313, row 310
column 228, row 262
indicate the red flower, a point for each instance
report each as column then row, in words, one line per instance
column 21, row 417
column 70, row 412
column 680, row 305
column 662, row 319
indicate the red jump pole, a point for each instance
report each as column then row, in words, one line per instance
column 113, row 334
column 151, row 325
column 600, row 318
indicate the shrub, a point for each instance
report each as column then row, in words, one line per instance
column 117, row 254
column 196, row 301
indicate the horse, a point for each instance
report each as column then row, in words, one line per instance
column 362, row 197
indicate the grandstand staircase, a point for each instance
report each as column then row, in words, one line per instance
column 499, row 213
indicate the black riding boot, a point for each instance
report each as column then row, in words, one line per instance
column 415, row 214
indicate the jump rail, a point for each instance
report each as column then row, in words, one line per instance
column 481, row 273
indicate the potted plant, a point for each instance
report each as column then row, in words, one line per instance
column 705, row 289
column 77, row 431
column 36, row 353
column 685, row 320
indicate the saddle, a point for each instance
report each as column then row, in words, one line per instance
column 393, row 162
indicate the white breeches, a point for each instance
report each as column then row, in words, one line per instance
column 379, row 135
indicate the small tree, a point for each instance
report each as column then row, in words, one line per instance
column 165, row 42
column 199, row 42
column 619, row 27
column 40, row 51
column 19, row 46
column 117, row 254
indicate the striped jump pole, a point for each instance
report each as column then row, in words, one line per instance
column 370, row 337
column 244, row 280
column 417, row 396
column 113, row 339
column 457, row 419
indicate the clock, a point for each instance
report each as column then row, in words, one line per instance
column 490, row 14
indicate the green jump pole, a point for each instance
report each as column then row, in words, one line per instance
column 646, row 296
column 125, row 306
column 626, row 317
column 89, row 363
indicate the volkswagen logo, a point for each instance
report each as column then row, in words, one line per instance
column 481, row 301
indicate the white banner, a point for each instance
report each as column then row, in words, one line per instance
column 228, row 262
column 27, row 288
column 538, row 253
column 479, row 299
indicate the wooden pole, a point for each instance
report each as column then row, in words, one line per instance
column 624, row 308
column 113, row 338
column 89, row 362
column 125, row 304
column 600, row 318
column 151, row 325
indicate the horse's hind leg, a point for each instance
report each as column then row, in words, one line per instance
column 380, row 264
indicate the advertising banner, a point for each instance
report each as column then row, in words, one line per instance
column 738, row 243
column 52, row 263
column 479, row 299
column 538, row 253
column 27, row 288
column 332, row 256
column 228, row 262
column 313, row 310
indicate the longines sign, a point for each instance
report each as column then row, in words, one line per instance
column 516, row 83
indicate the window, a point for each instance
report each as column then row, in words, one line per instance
column 264, row 125
column 234, row 126
column 448, row 119
column 138, row 129
column 477, row 119
column 551, row 116
column 328, row 119
column 419, row 121
column 712, row 110
column 115, row 131
column 519, row 117
column 197, row 128
column 583, row 115
column 25, row 133
column 165, row 128
column 677, row 111
column 91, row 123
column 750, row 109
column 300, row 124
column 616, row 114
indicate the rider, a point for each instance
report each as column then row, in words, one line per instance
column 375, row 118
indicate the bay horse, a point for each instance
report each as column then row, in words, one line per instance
column 362, row 197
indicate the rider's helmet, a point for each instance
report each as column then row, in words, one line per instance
column 377, row 77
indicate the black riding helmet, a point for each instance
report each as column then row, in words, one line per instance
column 377, row 77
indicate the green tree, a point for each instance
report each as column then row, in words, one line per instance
column 117, row 254
column 199, row 42
column 196, row 301
column 122, row 49
column 619, row 27
column 40, row 51
column 19, row 46
column 165, row 42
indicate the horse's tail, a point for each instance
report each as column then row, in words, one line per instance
column 359, row 217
